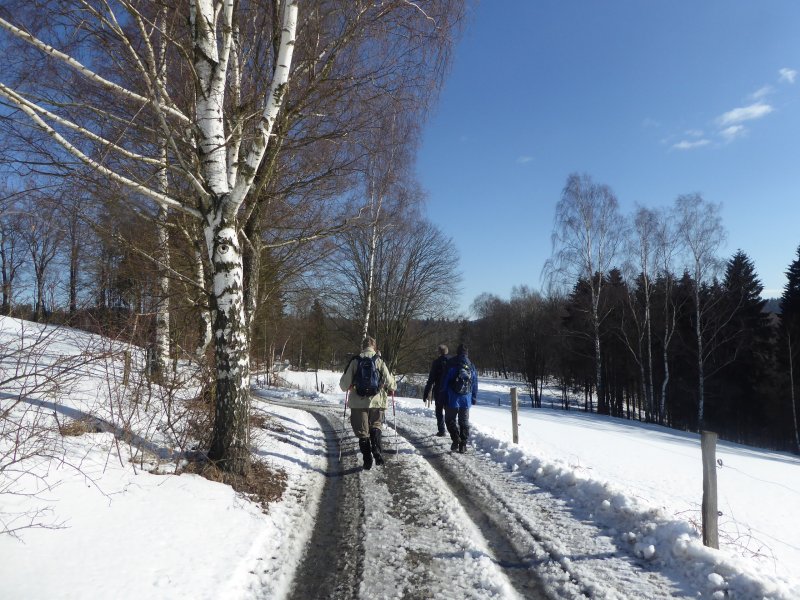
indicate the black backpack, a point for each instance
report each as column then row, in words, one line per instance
column 367, row 378
column 461, row 383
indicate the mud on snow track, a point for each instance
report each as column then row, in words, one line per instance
column 431, row 524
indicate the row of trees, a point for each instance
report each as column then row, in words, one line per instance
column 645, row 321
column 227, row 143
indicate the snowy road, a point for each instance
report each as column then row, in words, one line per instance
column 431, row 524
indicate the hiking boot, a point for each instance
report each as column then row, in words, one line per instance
column 440, row 434
column 363, row 445
column 454, row 447
column 375, row 443
column 462, row 448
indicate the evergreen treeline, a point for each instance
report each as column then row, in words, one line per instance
column 750, row 355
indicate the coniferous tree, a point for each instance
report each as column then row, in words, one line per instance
column 617, row 357
column 742, row 353
column 789, row 341
column 578, row 362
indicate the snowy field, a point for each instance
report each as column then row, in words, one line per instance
column 102, row 515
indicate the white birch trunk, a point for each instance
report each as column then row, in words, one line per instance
column 700, row 374
column 651, row 404
column 230, row 445
column 598, row 361
column 162, row 308
column 206, row 318
column 373, row 244
column 162, row 365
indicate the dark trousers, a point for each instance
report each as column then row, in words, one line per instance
column 458, row 433
column 439, row 409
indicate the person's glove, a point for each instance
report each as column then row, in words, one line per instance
column 474, row 402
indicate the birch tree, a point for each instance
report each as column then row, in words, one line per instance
column 10, row 248
column 667, row 247
column 586, row 239
column 216, row 163
column 643, row 249
column 702, row 233
column 247, row 128
column 415, row 277
column 42, row 238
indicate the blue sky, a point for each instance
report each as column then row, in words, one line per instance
column 654, row 99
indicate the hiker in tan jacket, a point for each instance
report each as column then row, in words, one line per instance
column 369, row 381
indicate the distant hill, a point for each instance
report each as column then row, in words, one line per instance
column 773, row 305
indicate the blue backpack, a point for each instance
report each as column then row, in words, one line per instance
column 461, row 383
column 367, row 378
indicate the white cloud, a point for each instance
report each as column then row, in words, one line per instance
column 732, row 132
column 744, row 113
column 762, row 92
column 524, row 159
column 787, row 75
column 690, row 145
column 698, row 133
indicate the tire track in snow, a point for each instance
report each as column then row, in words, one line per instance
column 415, row 493
column 525, row 561
column 527, row 517
column 332, row 566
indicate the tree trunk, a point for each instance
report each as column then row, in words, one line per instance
column 38, row 314
column 700, row 374
column 5, row 309
column 74, row 258
column 162, row 253
column 370, row 283
column 230, row 445
column 162, row 308
column 597, row 359
column 651, row 405
column 791, row 393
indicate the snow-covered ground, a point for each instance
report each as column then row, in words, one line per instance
column 646, row 482
column 111, row 519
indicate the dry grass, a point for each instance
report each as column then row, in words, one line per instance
column 77, row 427
column 262, row 484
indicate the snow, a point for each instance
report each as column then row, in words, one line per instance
column 645, row 482
column 116, row 521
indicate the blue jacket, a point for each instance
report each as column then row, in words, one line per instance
column 455, row 400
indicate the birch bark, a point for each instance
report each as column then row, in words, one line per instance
column 230, row 445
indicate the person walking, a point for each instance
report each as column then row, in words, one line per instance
column 434, row 384
column 368, row 379
column 460, row 383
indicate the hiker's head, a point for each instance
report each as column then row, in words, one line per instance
column 442, row 349
column 368, row 342
column 462, row 349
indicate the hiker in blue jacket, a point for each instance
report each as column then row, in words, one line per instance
column 460, row 383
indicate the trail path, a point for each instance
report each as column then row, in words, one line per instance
column 436, row 524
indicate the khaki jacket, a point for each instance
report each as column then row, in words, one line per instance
column 379, row 399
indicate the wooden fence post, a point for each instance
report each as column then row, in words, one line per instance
column 514, row 416
column 708, row 444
